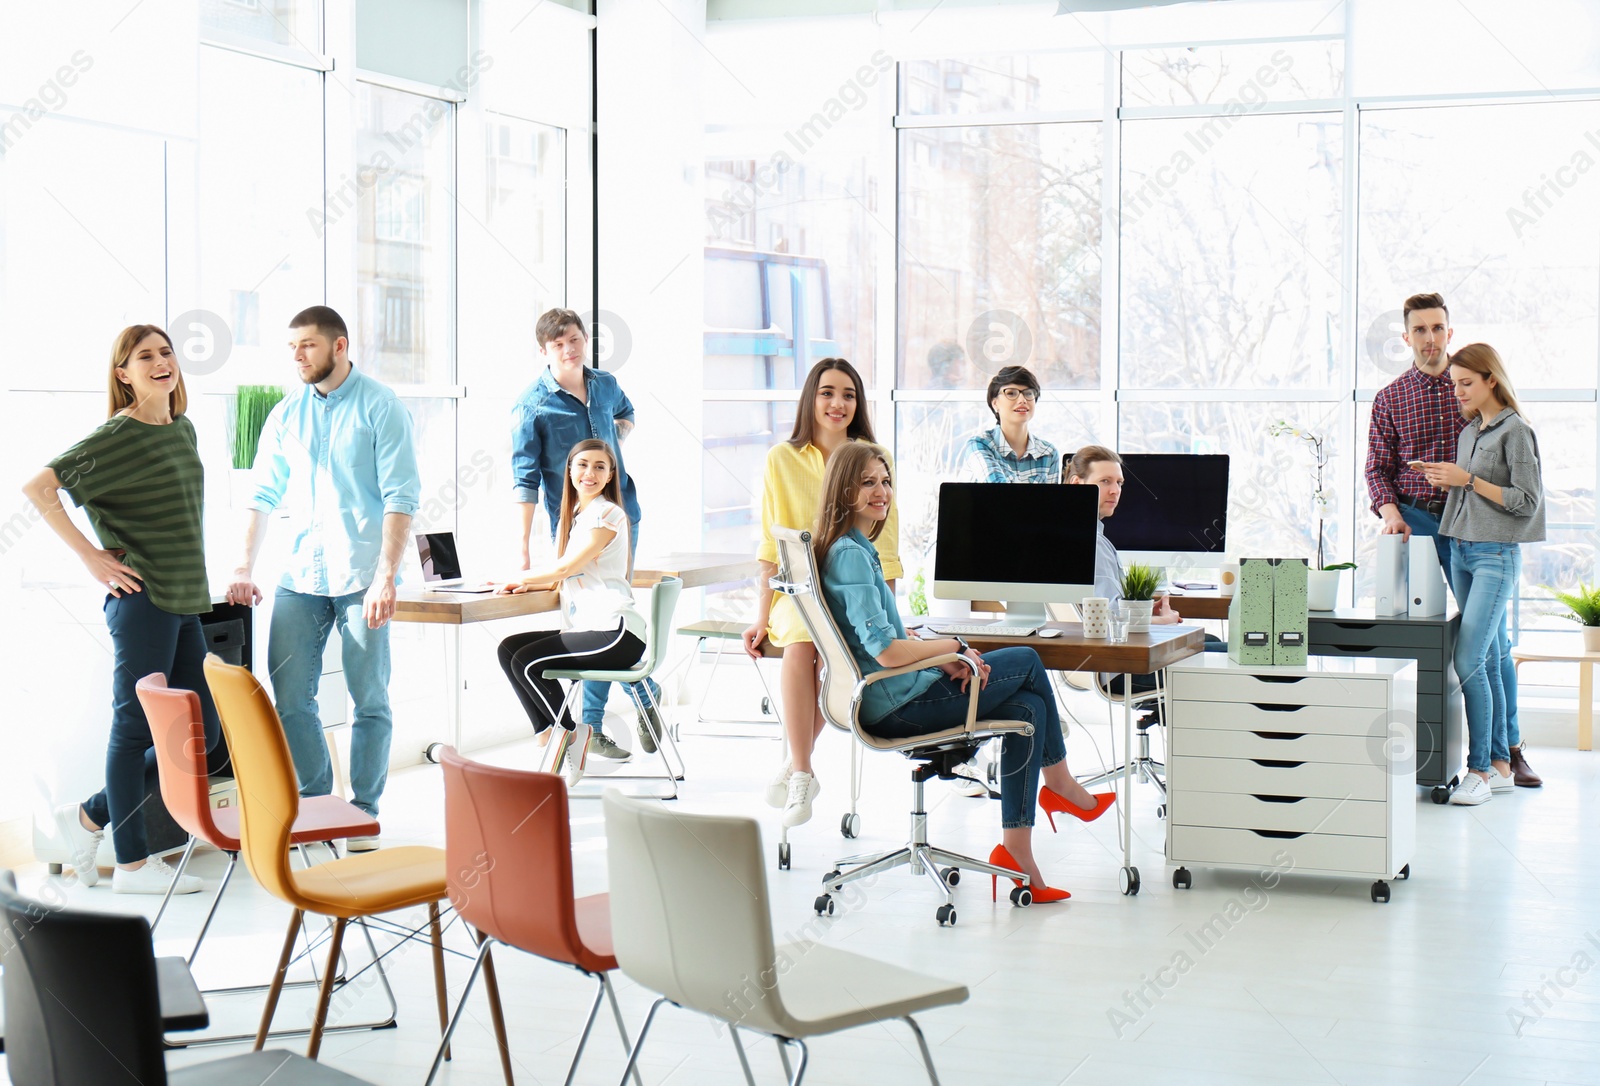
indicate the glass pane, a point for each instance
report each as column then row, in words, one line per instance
column 518, row 245
column 1009, row 83
column 1243, row 75
column 929, row 440
column 1231, row 252
column 258, row 264
column 294, row 23
column 1000, row 254
column 433, row 428
column 1271, row 480
column 1510, row 242
column 404, row 260
column 737, row 437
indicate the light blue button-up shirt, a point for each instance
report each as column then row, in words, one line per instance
column 990, row 459
column 864, row 609
column 548, row 421
column 340, row 462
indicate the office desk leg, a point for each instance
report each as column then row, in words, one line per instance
column 1129, row 874
column 1586, row 705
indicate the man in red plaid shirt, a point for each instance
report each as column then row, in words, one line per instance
column 1415, row 418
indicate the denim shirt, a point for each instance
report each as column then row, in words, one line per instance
column 548, row 421
column 341, row 462
column 862, row 606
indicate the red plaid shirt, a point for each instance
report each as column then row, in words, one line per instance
column 1415, row 417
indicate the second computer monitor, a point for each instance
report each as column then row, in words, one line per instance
column 1174, row 509
column 1023, row 543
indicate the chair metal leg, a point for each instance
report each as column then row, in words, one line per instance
column 805, row 1058
column 188, row 850
column 888, row 862
column 738, row 1046
column 325, row 993
column 633, row 1055
column 277, row 980
column 783, row 1055
column 616, row 1012
column 588, row 1025
column 443, row 997
column 927, row 1057
column 461, row 1008
column 205, row 926
column 497, row 1013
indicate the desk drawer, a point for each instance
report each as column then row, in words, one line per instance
column 1249, row 717
column 1243, row 687
column 1329, row 631
column 1280, row 778
column 1218, row 810
column 1309, row 852
column 1283, row 745
column 1427, row 659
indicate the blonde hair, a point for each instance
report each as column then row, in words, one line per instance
column 1083, row 461
column 120, row 395
column 612, row 491
column 841, row 485
column 1485, row 361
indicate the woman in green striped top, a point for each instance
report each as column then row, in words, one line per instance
column 139, row 478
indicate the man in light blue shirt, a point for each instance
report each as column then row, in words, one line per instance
column 569, row 402
column 339, row 452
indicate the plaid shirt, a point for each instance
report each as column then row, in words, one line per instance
column 989, row 459
column 1415, row 417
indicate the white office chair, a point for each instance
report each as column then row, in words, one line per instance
column 691, row 919
column 938, row 753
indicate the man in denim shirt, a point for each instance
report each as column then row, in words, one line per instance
column 568, row 402
column 339, row 450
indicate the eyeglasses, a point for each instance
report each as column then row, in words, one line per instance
column 1026, row 393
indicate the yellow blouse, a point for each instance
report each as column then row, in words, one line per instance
column 791, row 491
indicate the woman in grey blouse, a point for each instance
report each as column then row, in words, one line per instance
column 1495, row 504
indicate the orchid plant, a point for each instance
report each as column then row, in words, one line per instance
column 1320, row 496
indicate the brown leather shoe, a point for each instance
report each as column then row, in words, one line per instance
column 1522, row 771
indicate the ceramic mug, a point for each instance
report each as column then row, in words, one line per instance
column 1228, row 578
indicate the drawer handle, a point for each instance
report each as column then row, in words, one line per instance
column 1272, row 707
column 1287, row 835
column 1277, row 763
column 1276, row 799
column 1278, row 678
column 1279, row 735
column 1355, row 625
column 1355, row 648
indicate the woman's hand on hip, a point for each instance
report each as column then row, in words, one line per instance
column 107, row 569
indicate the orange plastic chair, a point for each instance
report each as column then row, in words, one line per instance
column 351, row 888
column 508, row 848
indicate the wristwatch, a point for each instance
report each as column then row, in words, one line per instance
column 962, row 648
column 1472, row 477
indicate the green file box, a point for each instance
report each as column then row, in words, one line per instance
column 1289, row 634
column 1250, row 614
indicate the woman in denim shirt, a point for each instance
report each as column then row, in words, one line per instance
column 856, row 498
column 1495, row 504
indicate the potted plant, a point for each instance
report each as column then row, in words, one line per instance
column 1584, row 609
column 1322, row 580
column 251, row 405
column 1138, row 596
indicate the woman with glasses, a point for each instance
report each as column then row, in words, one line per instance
column 1008, row 453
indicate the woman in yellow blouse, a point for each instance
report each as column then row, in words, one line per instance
column 832, row 411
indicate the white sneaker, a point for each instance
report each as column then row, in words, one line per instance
column 361, row 844
column 1500, row 784
column 82, row 844
column 153, row 878
column 1471, row 791
column 778, row 790
column 577, row 753
column 803, row 788
column 969, row 780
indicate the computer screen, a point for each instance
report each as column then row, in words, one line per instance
column 437, row 551
column 1174, row 509
column 1017, row 542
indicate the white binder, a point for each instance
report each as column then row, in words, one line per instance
column 1391, row 571
column 1425, row 598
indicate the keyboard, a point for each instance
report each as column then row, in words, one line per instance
column 983, row 629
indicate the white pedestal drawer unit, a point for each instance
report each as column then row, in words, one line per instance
column 1306, row 769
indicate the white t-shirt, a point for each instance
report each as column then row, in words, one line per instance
column 598, row 595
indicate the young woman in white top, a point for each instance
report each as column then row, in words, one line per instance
column 601, row 627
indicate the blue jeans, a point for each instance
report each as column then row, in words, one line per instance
column 300, row 627
column 1018, row 689
column 1486, row 577
column 145, row 639
column 595, row 694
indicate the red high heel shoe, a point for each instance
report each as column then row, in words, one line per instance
column 1053, row 802
column 1041, row 894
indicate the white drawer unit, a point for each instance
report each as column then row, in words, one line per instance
column 1306, row 769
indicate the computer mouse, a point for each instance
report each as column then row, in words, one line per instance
column 1049, row 631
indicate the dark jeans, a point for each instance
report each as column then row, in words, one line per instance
column 145, row 640
column 1018, row 689
column 526, row 657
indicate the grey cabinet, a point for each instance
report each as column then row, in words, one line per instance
column 1441, row 718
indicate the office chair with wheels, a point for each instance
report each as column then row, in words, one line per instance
column 937, row 753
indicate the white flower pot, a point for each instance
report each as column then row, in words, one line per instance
column 1322, row 589
column 1591, row 639
column 1139, row 615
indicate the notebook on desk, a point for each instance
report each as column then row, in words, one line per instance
column 441, row 565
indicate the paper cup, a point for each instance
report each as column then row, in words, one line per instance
column 1228, row 578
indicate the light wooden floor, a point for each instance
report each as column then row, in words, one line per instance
column 1484, row 969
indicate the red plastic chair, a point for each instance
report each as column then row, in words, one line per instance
column 508, row 857
column 180, row 741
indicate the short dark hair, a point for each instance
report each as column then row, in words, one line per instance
column 326, row 321
column 1009, row 375
column 553, row 321
column 1423, row 301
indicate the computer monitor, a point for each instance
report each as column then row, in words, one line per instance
column 1174, row 510
column 1024, row 543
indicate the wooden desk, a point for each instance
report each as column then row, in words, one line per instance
column 1141, row 654
column 1569, row 651
column 695, row 569
column 462, row 608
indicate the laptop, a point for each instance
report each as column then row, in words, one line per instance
column 441, row 565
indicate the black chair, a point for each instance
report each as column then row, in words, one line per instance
column 84, row 1004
